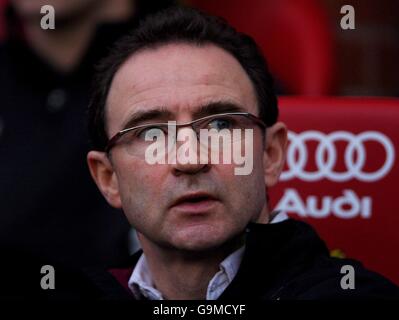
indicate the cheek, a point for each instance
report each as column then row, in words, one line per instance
column 248, row 190
column 139, row 185
column 245, row 195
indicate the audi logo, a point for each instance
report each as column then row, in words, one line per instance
column 326, row 156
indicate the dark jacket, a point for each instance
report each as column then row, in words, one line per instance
column 286, row 260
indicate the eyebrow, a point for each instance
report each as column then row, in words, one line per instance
column 217, row 107
column 141, row 116
column 162, row 113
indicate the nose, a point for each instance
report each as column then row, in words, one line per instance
column 188, row 160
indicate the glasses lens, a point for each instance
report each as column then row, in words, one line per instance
column 225, row 129
column 216, row 134
column 149, row 139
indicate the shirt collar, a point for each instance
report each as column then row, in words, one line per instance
column 141, row 283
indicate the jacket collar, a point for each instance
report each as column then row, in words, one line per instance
column 273, row 252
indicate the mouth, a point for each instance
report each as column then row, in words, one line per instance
column 195, row 203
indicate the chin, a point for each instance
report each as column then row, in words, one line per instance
column 198, row 247
column 197, row 240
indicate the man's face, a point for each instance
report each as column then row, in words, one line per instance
column 181, row 78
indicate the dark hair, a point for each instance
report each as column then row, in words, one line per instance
column 187, row 25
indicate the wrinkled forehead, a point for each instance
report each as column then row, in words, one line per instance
column 179, row 78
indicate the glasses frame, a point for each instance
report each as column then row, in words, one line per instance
column 114, row 140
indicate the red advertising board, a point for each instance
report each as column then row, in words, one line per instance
column 341, row 175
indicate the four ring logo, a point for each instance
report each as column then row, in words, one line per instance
column 326, row 156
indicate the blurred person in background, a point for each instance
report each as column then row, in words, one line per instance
column 49, row 207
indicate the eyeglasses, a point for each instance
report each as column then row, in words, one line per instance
column 137, row 139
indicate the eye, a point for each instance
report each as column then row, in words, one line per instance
column 221, row 123
column 150, row 133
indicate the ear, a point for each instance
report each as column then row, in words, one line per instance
column 102, row 171
column 274, row 153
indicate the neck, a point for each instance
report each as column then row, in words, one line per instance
column 264, row 216
column 184, row 275
column 62, row 47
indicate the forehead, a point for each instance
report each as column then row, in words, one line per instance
column 180, row 78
